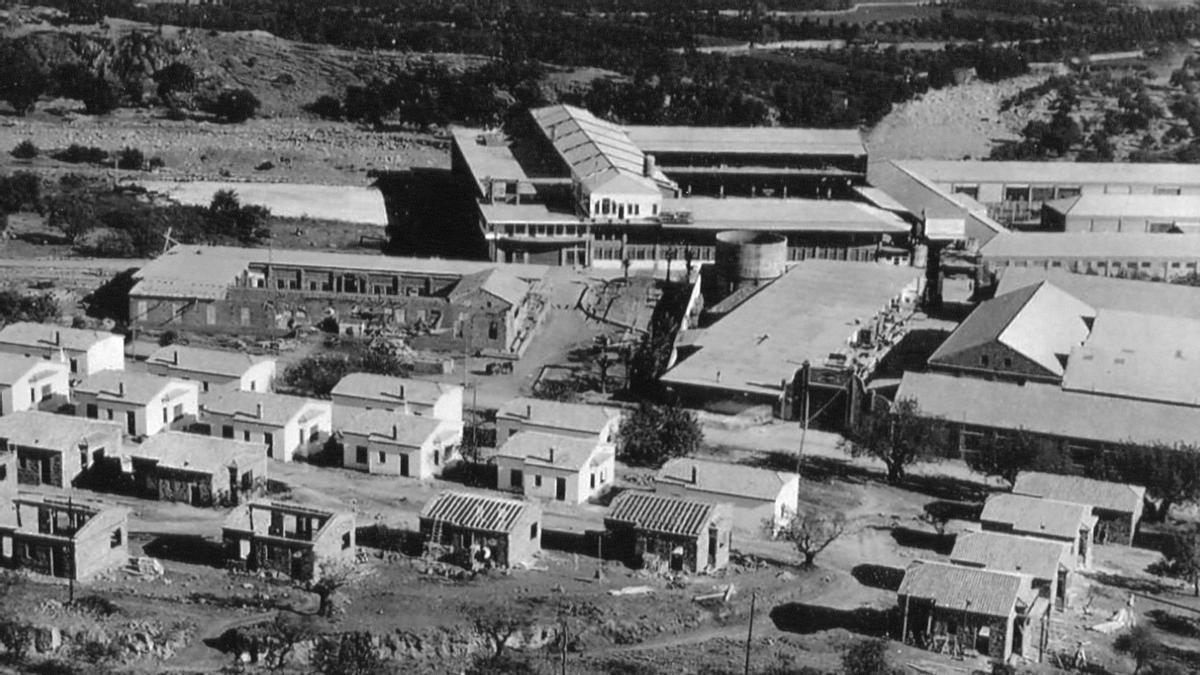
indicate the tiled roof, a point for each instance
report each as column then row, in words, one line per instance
column 277, row 409
column 386, row 387
column 661, row 514
column 1040, row 558
column 475, row 512
column 497, row 282
column 1031, row 515
column 1104, row 293
column 140, row 388
column 724, row 478
column 43, row 335
column 15, row 366
column 39, row 429
column 554, row 414
column 392, row 427
column 1096, row 493
column 193, row 452
column 536, row 447
column 196, row 359
column 986, row 592
column 596, row 151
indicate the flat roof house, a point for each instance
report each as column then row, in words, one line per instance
column 664, row 533
column 65, row 538
column 401, row 394
column 757, row 495
column 85, row 351
column 29, row 382
column 284, row 424
column 1049, row 563
column 214, row 369
column 392, row 443
column 145, row 404
column 57, row 450
column 198, row 470
column 487, row 530
column 286, row 538
column 566, row 419
column 1117, row 506
column 1072, row 524
column 969, row 610
column 555, row 467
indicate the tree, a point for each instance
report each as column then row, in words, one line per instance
column 36, row 308
column 499, row 621
column 899, row 437
column 22, row 80
column 331, row 577
column 234, row 106
column 1181, row 556
column 72, row 214
column 1008, row 454
column 174, row 78
column 652, row 434
column 228, row 217
column 326, row 107
column 21, row 191
column 111, row 299
column 287, row 630
column 811, row 531
column 349, row 654
column 131, row 159
column 25, row 150
column 868, row 657
column 1170, row 474
column 1140, row 644
column 937, row 515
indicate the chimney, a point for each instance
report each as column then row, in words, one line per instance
column 175, row 356
column 551, row 455
column 695, row 476
column 402, row 392
column 258, row 410
column 648, row 165
column 395, row 432
column 121, row 389
column 58, row 337
column 528, row 411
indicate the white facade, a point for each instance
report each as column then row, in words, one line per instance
column 557, row 483
column 41, row 381
column 403, row 395
column 177, row 399
column 312, row 422
column 421, row 458
column 84, row 351
column 256, row 377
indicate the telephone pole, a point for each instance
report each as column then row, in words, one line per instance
column 750, row 630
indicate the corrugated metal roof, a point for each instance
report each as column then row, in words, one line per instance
column 986, row 592
column 1033, row 515
column 1041, row 173
column 475, row 512
column 747, row 140
column 1040, row 558
column 665, row 515
column 1097, row 493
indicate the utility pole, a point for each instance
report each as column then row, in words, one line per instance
column 750, row 630
column 805, row 370
column 71, row 577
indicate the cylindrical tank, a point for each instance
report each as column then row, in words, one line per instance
column 920, row 256
column 746, row 258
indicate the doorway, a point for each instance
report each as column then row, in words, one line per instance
column 560, row 489
column 131, row 422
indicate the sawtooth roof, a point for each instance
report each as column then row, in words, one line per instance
column 723, row 478
column 665, row 515
column 1033, row 515
column 987, row 592
column 1040, row 558
column 1096, row 493
column 475, row 512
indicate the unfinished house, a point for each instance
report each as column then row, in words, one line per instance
column 31, row 383
column 214, row 369
column 757, row 495
column 366, row 391
column 197, row 470
column 1049, row 563
column 289, row 539
column 285, row 424
column 483, row 530
column 389, row 443
column 1072, row 524
column 555, row 467
column 566, row 419
column 953, row 609
column 1117, row 506
column 57, row 450
column 85, row 352
column 666, row 534
column 144, row 404
column 64, row 537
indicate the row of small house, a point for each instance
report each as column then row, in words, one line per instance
column 996, row 594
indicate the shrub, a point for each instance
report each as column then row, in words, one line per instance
column 131, row 158
column 168, row 338
column 21, row 80
column 326, row 107
column 21, row 191
column 79, row 154
column 176, row 77
column 155, row 163
column 237, row 105
column 25, row 150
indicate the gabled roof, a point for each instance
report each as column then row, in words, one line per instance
column 388, row 388
column 277, row 409
column 1104, row 293
column 736, row 480
column 554, row 450
column 15, row 366
column 392, row 427
column 1169, row 208
column 495, row 282
column 1042, row 173
column 597, row 151
column 140, row 388
column 1031, row 515
column 45, row 335
column 193, row 452
column 747, row 140
column 199, row 360
column 38, row 429
column 986, row 592
column 1096, row 493
column 1111, row 247
column 665, row 515
column 1040, row 322
column 1040, row 558
column 474, row 511
column 557, row 415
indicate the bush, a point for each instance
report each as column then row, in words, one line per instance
column 168, row 338
column 326, row 107
column 21, row 191
column 176, row 77
column 21, row 80
column 36, row 308
column 234, row 106
column 25, row 150
column 78, row 154
column 131, row 158
column 652, row 434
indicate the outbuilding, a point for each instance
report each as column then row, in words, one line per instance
column 555, row 467
column 1050, row 563
column 757, row 495
column 1117, row 506
column 1072, row 524
column 489, row 530
column 667, row 534
column 291, row 539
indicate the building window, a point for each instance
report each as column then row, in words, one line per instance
column 971, row 191
column 204, row 387
column 533, row 530
column 227, row 431
column 74, row 365
column 983, row 360
column 108, row 412
column 382, row 458
column 246, row 436
column 537, row 480
column 345, row 541
column 269, row 439
column 493, row 330
column 93, row 411
column 117, row 539
column 515, row 478
column 1008, row 363
column 360, row 454
column 166, row 415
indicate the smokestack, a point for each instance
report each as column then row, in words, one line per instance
column 121, row 389
column 695, row 476
column 649, row 165
column 258, row 410
column 551, row 455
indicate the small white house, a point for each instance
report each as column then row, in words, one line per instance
column 365, row 391
column 555, row 467
column 566, row 419
column 86, row 352
column 214, row 369
column 757, row 495
column 145, row 404
column 392, row 443
column 282, row 423
column 28, row 382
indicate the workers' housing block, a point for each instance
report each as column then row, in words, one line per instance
column 564, row 419
column 555, row 467
column 214, row 369
column 442, row 304
column 290, row 539
column 32, row 383
column 63, row 537
column 84, row 351
column 367, row 391
column 146, row 404
column 758, row 496
column 194, row 469
column 57, row 450
column 391, row 443
column 285, row 424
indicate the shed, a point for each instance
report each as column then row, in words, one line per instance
column 1117, row 506
column 757, row 495
column 1071, row 523
column 663, row 533
column 1049, row 563
column 488, row 530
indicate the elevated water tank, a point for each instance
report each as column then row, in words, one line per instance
column 747, row 259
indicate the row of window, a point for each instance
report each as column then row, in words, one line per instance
column 1101, row 265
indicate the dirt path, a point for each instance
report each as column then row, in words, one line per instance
column 199, row 655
